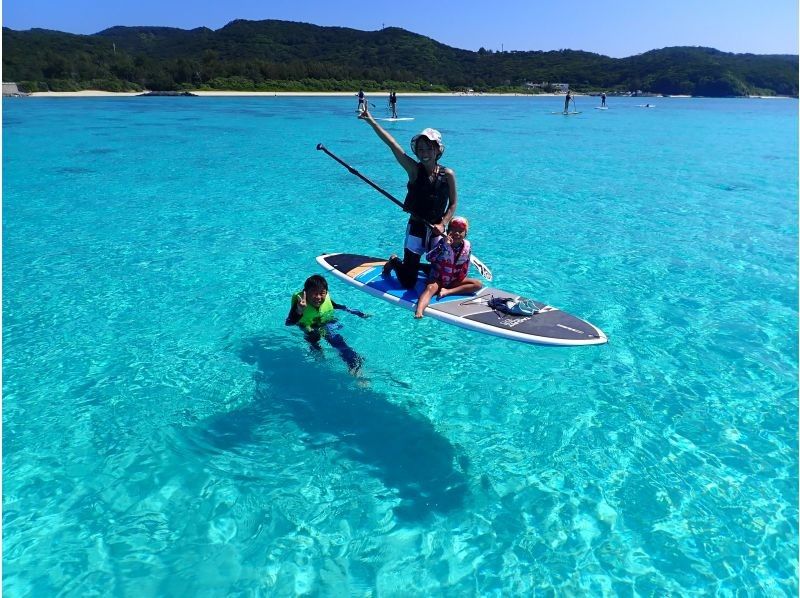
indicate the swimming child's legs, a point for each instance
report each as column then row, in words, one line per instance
column 313, row 337
column 353, row 360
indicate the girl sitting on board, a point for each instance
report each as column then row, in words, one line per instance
column 431, row 199
column 449, row 266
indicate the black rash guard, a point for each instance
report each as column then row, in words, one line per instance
column 427, row 200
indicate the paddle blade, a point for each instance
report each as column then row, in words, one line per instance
column 481, row 267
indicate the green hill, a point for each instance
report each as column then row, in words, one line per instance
column 281, row 55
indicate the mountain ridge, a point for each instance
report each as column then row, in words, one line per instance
column 287, row 55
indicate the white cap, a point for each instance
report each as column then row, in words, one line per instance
column 431, row 135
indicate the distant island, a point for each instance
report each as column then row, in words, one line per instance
column 286, row 56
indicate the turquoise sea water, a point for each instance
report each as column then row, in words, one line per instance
column 165, row 434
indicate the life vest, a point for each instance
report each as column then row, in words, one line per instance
column 449, row 266
column 313, row 317
column 426, row 199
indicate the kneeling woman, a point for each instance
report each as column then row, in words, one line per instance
column 431, row 199
column 449, row 266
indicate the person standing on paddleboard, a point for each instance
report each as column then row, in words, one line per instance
column 431, row 199
column 362, row 101
column 393, row 103
column 567, row 101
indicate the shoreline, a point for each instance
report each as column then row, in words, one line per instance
column 92, row 93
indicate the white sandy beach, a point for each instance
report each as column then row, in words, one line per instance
column 89, row 93
column 92, row 93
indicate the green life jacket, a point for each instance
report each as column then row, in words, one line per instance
column 311, row 315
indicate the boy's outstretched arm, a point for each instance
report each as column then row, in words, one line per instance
column 355, row 312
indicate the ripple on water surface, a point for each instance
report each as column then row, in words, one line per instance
column 165, row 434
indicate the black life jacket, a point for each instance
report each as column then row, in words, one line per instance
column 426, row 199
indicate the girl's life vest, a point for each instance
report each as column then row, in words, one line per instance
column 426, row 199
column 449, row 265
column 313, row 317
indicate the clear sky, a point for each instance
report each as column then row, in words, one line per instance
column 612, row 27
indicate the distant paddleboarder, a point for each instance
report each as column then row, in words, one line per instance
column 362, row 101
column 603, row 99
column 393, row 103
column 567, row 101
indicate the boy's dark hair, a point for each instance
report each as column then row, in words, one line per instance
column 315, row 283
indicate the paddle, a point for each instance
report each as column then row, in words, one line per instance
column 481, row 267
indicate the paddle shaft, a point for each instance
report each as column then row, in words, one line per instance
column 363, row 178
column 482, row 268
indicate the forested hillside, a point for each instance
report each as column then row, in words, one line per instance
column 280, row 55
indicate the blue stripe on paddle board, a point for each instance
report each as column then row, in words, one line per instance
column 374, row 278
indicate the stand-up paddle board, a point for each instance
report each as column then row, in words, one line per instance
column 394, row 120
column 546, row 325
column 566, row 113
column 601, row 107
column 646, row 106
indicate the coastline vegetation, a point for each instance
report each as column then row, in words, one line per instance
column 287, row 56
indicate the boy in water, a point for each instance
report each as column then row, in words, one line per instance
column 313, row 310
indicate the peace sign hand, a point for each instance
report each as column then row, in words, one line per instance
column 301, row 303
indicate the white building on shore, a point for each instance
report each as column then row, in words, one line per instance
column 556, row 87
column 11, row 89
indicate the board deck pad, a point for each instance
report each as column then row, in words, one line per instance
column 550, row 326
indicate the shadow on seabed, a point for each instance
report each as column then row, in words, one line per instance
column 403, row 450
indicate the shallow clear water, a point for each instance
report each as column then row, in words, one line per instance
column 165, row 434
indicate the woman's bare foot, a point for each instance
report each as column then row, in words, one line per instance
column 418, row 315
column 389, row 265
column 443, row 293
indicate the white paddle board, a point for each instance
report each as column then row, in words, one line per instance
column 546, row 326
